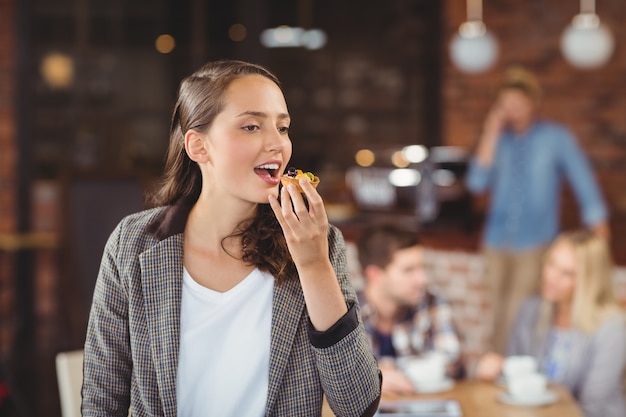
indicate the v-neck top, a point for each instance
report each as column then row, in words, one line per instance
column 223, row 366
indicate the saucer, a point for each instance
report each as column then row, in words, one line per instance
column 546, row 398
column 433, row 387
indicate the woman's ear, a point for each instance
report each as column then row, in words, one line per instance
column 195, row 146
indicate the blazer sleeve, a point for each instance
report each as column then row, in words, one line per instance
column 107, row 363
column 601, row 390
column 348, row 370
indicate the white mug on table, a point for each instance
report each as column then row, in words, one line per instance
column 523, row 379
column 425, row 371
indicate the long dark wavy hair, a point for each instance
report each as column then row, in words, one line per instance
column 200, row 100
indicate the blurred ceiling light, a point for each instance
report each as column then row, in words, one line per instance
column 314, row 39
column 237, row 32
column 587, row 43
column 448, row 154
column 404, row 177
column 57, row 70
column 473, row 49
column 294, row 37
column 415, row 153
column 364, row 158
column 398, row 160
column 165, row 43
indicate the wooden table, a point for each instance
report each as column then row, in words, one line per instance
column 480, row 399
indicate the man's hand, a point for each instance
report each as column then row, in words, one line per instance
column 394, row 381
column 489, row 367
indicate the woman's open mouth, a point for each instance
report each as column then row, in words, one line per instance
column 268, row 173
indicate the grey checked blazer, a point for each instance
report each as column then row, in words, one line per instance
column 131, row 349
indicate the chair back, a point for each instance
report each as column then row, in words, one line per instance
column 69, row 367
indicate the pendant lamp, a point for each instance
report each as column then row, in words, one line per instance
column 473, row 49
column 586, row 43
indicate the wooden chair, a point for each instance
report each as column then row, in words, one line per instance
column 69, row 369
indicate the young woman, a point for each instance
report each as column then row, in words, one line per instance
column 230, row 298
column 576, row 330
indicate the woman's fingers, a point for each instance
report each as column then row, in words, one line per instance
column 294, row 203
column 291, row 212
column 305, row 229
column 276, row 208
column 316, row 204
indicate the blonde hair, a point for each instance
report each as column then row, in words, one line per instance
column 520, row 78
column 594, row 300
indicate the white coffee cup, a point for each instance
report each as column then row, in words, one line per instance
column 515, row 366
column 426, row 370
column 527, row 386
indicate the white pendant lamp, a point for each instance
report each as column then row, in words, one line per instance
column 474, row 49
column 587, row 43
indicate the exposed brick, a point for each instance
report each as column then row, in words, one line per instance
column 590, row 102
column 8, row 193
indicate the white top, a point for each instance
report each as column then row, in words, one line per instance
column 223, row 366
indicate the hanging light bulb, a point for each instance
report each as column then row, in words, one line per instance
column 586, row 43
column 474, row 49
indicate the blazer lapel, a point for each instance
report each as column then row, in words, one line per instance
column 287, row 308
column 161, row 275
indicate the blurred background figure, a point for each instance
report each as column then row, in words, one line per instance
column 576, row 329
column 402, row 316
column 521, row 161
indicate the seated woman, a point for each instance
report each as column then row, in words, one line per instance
column 576, row 329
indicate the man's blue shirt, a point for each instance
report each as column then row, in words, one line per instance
column 524, row 182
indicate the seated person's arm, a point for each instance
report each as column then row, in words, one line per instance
column 395, row 382
column 489, row 366
column 446, row 338
column 606, row 367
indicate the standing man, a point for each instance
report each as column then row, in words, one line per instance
column 401, row 316
column 521, row 161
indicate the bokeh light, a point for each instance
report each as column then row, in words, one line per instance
column 365, row 157
column 165, row 43
column 57, row 70
column 404, row 177
column 398, row 160
column 237, row 32
column 415, row 153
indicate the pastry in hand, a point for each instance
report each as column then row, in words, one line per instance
column 294, row 175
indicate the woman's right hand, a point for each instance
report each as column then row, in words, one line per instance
column 489, row 367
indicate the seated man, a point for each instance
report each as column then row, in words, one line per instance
column 402, row 317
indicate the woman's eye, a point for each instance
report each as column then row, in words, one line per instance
column 284, row 129
column 250, row 128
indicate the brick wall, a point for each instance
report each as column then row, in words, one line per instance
column 590, row 102
column 459, row 277
column 8, row 169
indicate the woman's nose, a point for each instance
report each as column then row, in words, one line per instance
column 275, row 142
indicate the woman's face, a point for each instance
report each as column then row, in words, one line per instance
column 518, row 109
column 559, row 273
column 248, row 142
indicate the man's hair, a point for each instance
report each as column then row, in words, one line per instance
column 520, row 78
column 378, row 244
